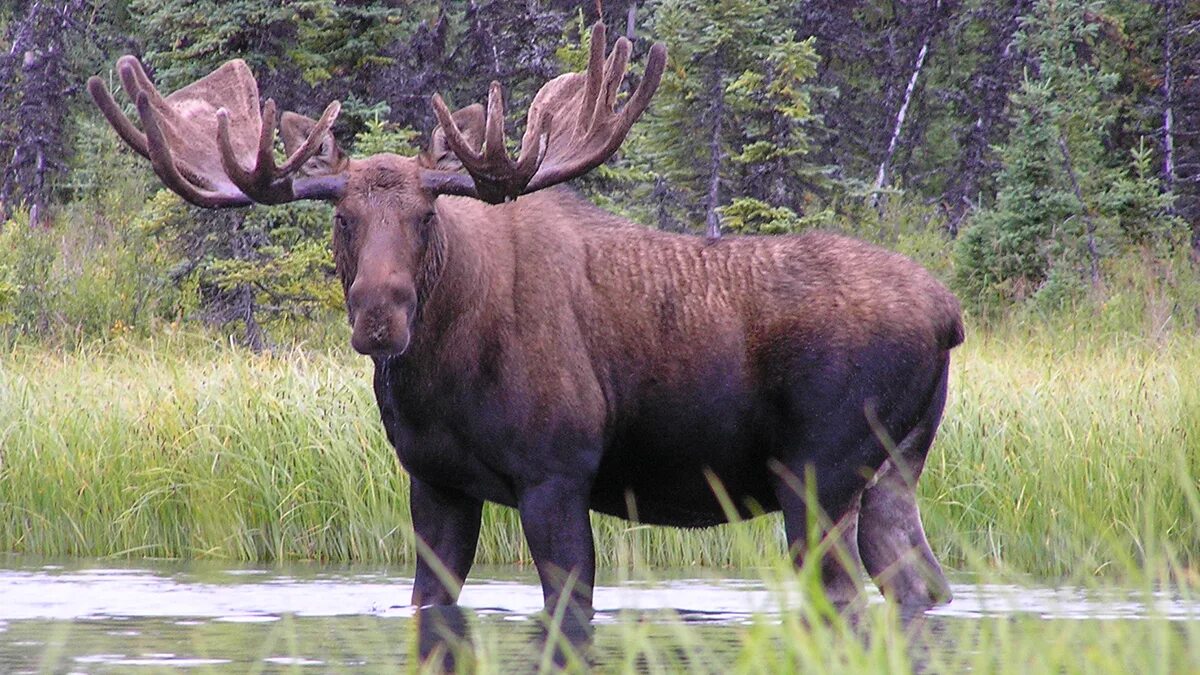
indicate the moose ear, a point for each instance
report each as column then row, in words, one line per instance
column 470, row 120
column 329, row 160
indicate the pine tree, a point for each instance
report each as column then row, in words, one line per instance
column 730, row 129
column 1064, row 201
column 37, row 82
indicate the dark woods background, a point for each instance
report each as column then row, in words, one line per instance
column 1041, row 156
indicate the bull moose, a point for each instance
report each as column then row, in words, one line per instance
column 533, row 350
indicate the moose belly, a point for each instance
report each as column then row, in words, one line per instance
column 687, row 466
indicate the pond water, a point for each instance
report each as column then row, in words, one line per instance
column 101, row 616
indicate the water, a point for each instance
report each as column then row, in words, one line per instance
column 99, row 616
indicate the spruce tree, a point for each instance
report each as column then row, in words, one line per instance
column 729, row 133
column 1065, row 201
column 37, row 82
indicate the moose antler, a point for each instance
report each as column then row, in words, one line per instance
column 196, row 138
column 571, row 129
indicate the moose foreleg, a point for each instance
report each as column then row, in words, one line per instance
column 554, row 515
column 446, row 524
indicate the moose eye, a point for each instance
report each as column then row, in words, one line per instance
column 342, row 228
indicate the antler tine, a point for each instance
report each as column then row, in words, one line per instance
column 494, row 150
column 656, row 63
column 454, row 136
column 264, row 161
column 595, row 68
column 614, row 75
column 164, row 164
column 116, row 117
column 312, row 144
column 246, row 181
column 257, row 180
column 135, row 80
column 533, row 144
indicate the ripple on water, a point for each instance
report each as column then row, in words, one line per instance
column 107, row 618
column 241, row 595
column 166, row 660
column 293, row 661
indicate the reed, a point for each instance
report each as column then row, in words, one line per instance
column 1062, row 454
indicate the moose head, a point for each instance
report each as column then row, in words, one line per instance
column 210, row 143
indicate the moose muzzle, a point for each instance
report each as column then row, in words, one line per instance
column 381, row 312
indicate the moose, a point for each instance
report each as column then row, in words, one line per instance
column 533, row 350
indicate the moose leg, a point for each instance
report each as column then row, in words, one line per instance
column 554, row 515
column 446, row 523
column 891, row 538
column 893, row 546
column 841, row 573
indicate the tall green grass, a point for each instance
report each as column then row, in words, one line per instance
column 1067, row 451
column 1061, row 453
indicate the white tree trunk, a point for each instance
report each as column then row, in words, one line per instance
column 1168, row 97
column 881, row 177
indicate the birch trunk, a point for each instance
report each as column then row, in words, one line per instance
column 712, row 218
column 898, row 125
column 1168, row 97
column 881, row 177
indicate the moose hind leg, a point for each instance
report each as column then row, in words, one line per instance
column 841, row 573
column 891, row 539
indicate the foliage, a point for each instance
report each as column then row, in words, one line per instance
column 35, row 86
column 733, row 115
column 94, row 279
column 381, row 136
column 1063, row 203
column 249, row 267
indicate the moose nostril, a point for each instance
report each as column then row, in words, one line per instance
column 379, row 296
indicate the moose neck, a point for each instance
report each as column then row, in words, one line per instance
column 453, row 284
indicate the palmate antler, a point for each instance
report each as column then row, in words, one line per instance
column 197, row 138
column 572, row 128
column 210, row 143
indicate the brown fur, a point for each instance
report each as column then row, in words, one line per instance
column 553, row 259
column 550, row 356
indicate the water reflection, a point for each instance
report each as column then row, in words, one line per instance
column 101, row 617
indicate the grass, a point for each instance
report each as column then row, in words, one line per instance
column 1059, row 456
column 1066, row 455
column 1067, row 452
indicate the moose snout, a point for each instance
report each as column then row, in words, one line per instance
column 380, row 313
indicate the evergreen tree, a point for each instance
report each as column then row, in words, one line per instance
column 1064, row 200
column 731, row 125
column 37, row 82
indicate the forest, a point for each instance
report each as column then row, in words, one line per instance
column 177, row 386
column 1042, row 157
